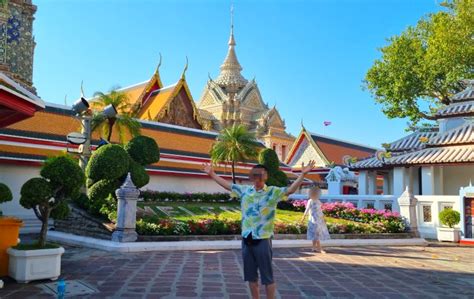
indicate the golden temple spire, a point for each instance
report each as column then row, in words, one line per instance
column 230, row 76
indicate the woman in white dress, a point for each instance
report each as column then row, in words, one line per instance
column 317, row 229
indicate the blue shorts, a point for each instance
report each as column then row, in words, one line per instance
column 258, row 257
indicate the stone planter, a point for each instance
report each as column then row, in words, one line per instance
column 448, row 234
column 28, row 265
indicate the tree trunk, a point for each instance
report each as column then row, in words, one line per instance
column 111, row 125
column 44, row 227
column 233, row 172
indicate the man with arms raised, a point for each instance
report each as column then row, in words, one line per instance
column 258, row 203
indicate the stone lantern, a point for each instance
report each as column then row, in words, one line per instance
column 127, row 196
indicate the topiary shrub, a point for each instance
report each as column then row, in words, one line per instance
column 109, row 162
column 449, row 217
column 276, row 177
column 143, row 150
column 138, row 173
column 109, row 166
column 5, row 194
column 62, row 178
column 269, row 158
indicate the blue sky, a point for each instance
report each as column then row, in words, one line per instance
column 308, row 57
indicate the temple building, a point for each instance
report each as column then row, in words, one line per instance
column 17, row 43
column 232, row 99
column 326, row 151
column 172, row 104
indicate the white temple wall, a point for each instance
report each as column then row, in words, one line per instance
column 455, row 177
column 183, row 184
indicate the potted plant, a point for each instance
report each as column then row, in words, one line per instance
column 61, row 179
column 449, row 218
column 9, row 228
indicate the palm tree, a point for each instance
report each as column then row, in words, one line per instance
column 124, row 121
column 234, row 144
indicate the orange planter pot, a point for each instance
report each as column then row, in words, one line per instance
column 9, row 232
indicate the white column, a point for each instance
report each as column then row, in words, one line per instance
column 372, row 184
column 427, row 180
column 362, row 182
column 399, row 180
column 438, row 180
column 407, row 203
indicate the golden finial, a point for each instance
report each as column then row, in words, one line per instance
column 185, row 68
column 82, row 88
column 159, row 64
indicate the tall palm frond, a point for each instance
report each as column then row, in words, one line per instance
column 234, row 144
column 123, row 122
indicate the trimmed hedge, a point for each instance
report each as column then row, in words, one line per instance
column 63, row 172
column 138, row 173
column 34, row 192
column 449, row 217
column 151, row 196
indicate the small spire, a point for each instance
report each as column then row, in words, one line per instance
column 82, row 89
column 232, row 39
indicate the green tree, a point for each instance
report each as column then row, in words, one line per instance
column 124, row 121
column 61, row 179
column 421, row 68
column 5, row 194
column 234, row 144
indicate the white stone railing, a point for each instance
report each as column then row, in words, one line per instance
column 427, row 211
column 379, row 202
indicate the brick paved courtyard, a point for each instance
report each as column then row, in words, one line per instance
column 436, row 271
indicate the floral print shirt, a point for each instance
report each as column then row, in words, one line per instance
column 258, row 208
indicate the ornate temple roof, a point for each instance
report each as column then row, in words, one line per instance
column 230, row 77
column 460, row 135
column 412, row 141
column 467, row 94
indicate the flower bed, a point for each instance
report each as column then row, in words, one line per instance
column 157, row 196
column 384, row 221
column 216, row 226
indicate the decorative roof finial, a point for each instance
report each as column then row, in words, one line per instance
column 159, row 64
column 185, row 69
column 232, row 40
column 82, row 89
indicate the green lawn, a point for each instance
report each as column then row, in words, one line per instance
column 218, row 210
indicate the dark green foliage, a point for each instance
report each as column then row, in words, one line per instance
column 101, row 190
column 276, row 177
column 82, row 201
column 5, row 193
column 63, row 173
column 109, row 162
column 143, row 150
column 449, row 217
column 36, row 191
column 61, row 211
column 269, row 158
column 139, row 175
column 149, row 195
column 61, row 179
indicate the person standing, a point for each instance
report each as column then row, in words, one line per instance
column 258, row 204
column 317, row 228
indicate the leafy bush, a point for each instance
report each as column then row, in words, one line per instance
column 269, row 158
column 61, row 179
column 143, row 150
column 5, row 193
column 276, row 177
column 138, row 173
column 449, row 217
column 109, row 162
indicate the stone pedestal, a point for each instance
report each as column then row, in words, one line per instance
column 127, row 196
column 407, row 203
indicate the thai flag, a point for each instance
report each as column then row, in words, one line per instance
column 327, row 123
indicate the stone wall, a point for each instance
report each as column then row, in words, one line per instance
column 79, row 222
